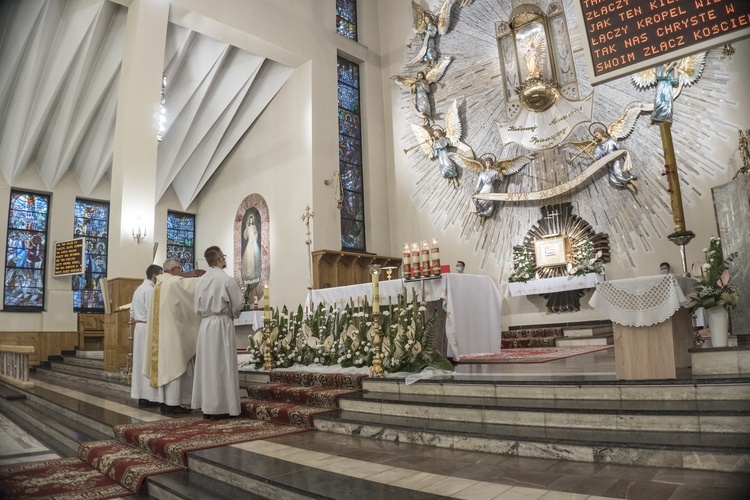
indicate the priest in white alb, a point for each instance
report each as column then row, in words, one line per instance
column 140, row 387
column 173, row 329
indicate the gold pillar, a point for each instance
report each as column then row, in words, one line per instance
column 673, row 178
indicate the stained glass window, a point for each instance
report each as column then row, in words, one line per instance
column 181, row 239
column 26, row 252
column 346, row 18
column 91, row 220
column 350, row 158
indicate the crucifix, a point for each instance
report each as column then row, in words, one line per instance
column 306, row 216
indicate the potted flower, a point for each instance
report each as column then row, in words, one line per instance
column 713, row 291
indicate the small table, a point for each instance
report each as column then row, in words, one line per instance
column 653, row 331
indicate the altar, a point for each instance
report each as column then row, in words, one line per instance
column 653, row 331
column 471, row 304
column 553, row 285
column 247, row 324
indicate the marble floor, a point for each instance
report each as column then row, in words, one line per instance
column 334, row 464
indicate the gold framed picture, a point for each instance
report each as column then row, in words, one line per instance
column 551, row 251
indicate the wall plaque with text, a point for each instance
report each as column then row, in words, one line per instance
column 626, row 36
column 70, row 257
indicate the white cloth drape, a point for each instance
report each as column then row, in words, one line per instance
column 643, row 301
column 552, row 285
column 472, row 305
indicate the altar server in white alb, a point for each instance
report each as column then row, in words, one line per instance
column 218, row 301
column 140, row 387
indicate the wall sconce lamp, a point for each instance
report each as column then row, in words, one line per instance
column 138, row 235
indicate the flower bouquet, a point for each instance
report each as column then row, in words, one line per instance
column 713, row 289
column 584, row 261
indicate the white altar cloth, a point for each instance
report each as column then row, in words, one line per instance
column 552, row 285
column 471, row 303
column 643, row 301
column 247, row 324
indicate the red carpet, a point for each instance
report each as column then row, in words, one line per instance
column 122, row 463
column 61, row 478
column 281, row 412
column 172, row 439
column 531, row 355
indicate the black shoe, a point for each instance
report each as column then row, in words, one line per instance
column 145, row 403
column 167, row 409
column 220, row 416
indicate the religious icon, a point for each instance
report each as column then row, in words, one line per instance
column 421, row 87
column 490, row 172
column 251, row 255
column 424, row 26
column 435, row 143
column 682, row 72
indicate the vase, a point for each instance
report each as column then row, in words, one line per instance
column 718, row 323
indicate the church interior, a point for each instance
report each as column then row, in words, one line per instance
column 334, row 149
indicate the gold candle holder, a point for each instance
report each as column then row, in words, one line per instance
column 376, row 370
column 267, row 358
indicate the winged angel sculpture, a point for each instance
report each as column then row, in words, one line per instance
column 424, row 26
column 606, row 141
column 421, row 87
column 490, row 171
column 436, row 141
column 682, row 72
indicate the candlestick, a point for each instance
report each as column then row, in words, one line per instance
column 266, row 303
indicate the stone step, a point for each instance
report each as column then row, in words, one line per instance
column 577, row 341
column 587, row 331
column 97, row 364
column 703, row 451
column 59, row 366
column 90, row 354
column 191, row 485
column 664, row 416
column 714, row 389
column 56, row 431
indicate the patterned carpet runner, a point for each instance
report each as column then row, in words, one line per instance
column 532, row 355
column 119, row 467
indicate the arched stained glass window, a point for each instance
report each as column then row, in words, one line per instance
column 181, row 239
column 26, row 252
column 91, row 220
column 350, row 158
column 346, row 18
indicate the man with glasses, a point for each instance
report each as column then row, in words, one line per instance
column 218, row 301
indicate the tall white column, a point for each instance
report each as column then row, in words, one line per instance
column 133, row 195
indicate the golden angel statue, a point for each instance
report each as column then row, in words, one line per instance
column 436, row 141
column 490, row 172
column 605, row 142
column 682, row 72
column 421, row 87
column 425, row 26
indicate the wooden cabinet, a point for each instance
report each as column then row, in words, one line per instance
column 116, row 324
column 91, row 332
column 333, row 268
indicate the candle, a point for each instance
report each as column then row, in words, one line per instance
column 376, row 293
column 425, row 259
column 406, row 258
column 266, row 303
column 415, row 260
column 435, row 257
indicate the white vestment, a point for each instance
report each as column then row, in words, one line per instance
column 218, row 301
column 140, row 387
column 172, row 329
